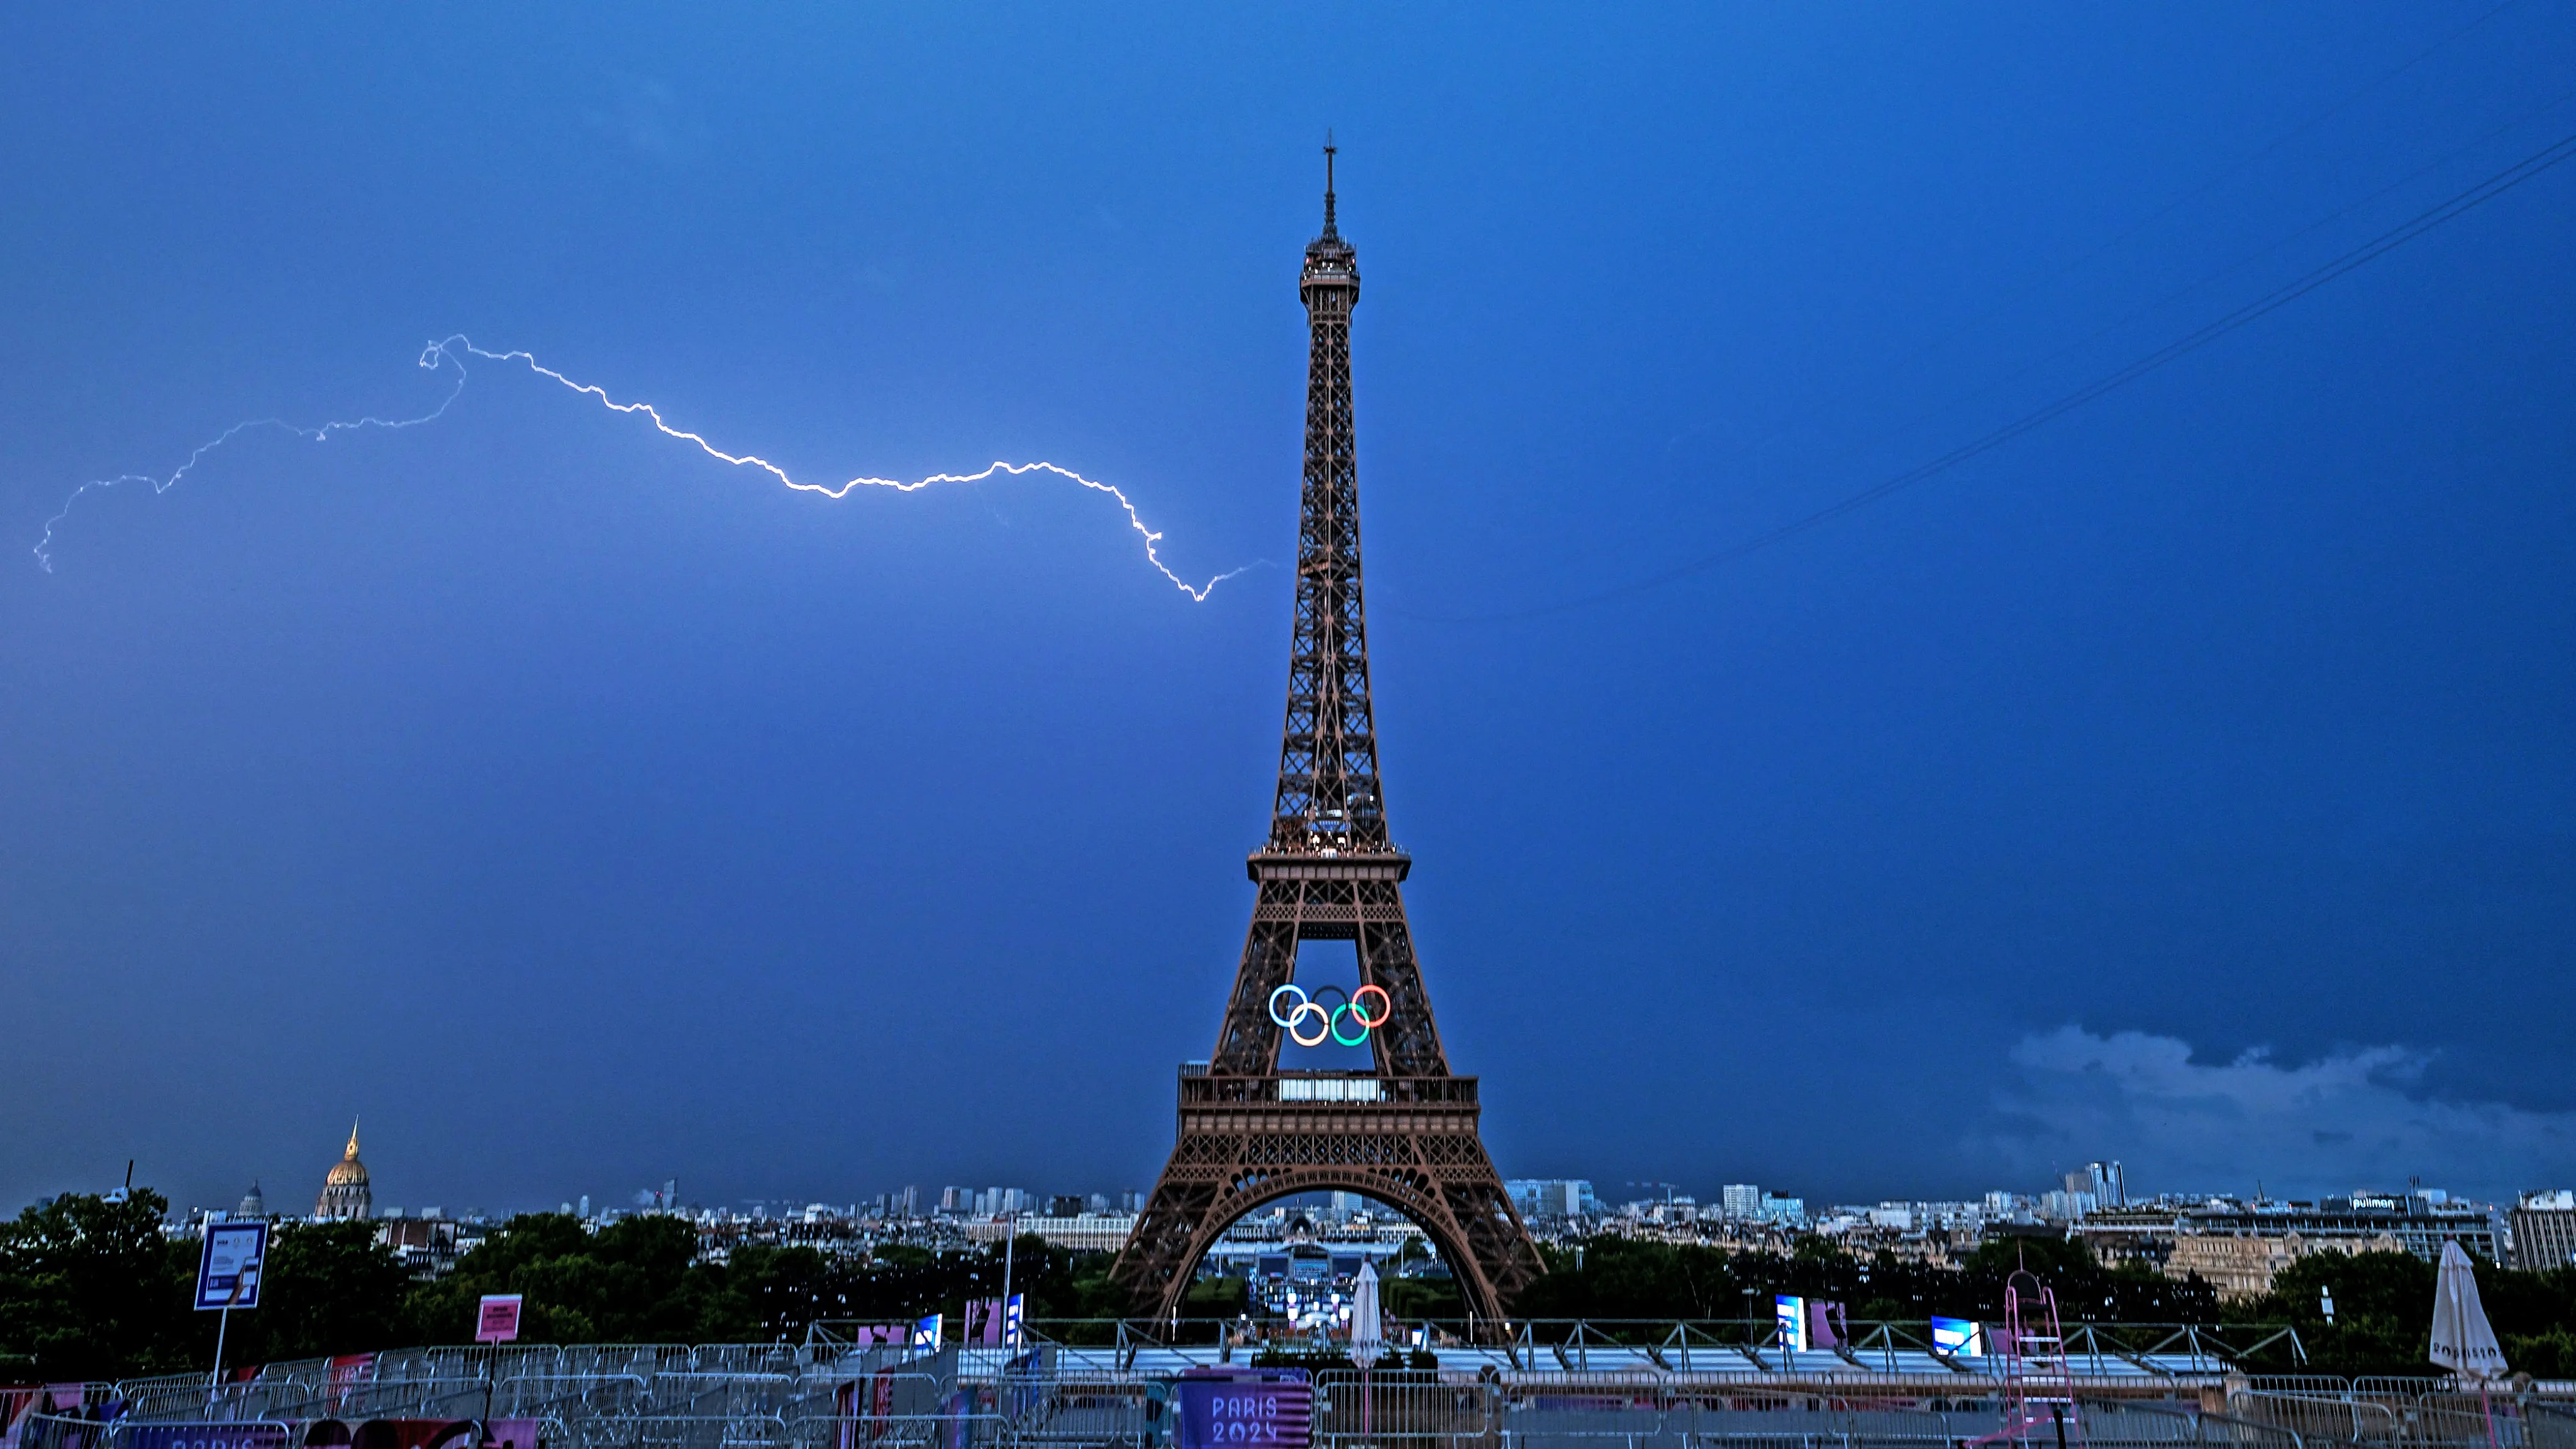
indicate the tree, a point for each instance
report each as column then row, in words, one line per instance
column 89, row 1288
column 2383, row 1311
column 630, row 1283
column 1614, row 1278
column 2535, row 1315
column 328, row 1288
column 2383, row 1315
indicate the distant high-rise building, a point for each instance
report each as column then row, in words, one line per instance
column 949, row 1200
column 1741, row 1201
column 345, row 1193
column 2544, row 1230
column 2088, row 1189
column 2110, row 1183
column 1552, row 1197
column 2103, row 1182
column 585, row 1206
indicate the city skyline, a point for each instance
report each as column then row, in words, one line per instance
column 2096, row 1185
column 2184, row 780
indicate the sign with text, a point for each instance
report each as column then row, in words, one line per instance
column 497, row 1320
column 228, row 1268
column 1268, row 1407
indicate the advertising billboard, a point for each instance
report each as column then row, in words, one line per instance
column 1959, row 1337
column 228, row 1268
column 1268, row 1407
column 1791, row 1316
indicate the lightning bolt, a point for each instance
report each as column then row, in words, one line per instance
column 433, row 358
column 452, row 352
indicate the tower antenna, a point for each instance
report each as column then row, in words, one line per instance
column 1330, row 150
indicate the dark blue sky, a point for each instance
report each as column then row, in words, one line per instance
column 2189, row 781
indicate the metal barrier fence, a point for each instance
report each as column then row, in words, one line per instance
column 2407, row 1412
column 836, row 1396
column 613, row 1397
column 1419, row 1411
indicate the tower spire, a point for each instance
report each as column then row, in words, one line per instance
column 1328, row 800
column 1330, row 150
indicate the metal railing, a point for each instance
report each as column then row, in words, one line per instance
column 1746, row 1346
column 2384, row 1411
column 1199, row 1089
column 835, row 1396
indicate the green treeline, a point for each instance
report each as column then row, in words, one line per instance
column 2383, row 1301
column 1615, row 1278
column 90, row 1289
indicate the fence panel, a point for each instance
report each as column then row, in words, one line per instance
column 2338, row 1418
column 1401, row 1409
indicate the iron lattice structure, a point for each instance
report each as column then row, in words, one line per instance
column 1405, row 1131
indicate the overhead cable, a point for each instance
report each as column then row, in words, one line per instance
column 2461, row 204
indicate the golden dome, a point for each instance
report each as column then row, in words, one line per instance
column 348, row 1171
column 345, row 1193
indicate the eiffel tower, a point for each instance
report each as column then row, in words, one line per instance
column 1405, row 1131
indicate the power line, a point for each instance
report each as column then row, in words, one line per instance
column 2032, row 279
column 2206, row 186
column 2466, row 201
column 2149, row 309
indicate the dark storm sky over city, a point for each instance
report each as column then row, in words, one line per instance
column 2187, row 781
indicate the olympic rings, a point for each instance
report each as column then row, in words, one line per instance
column 1329, row 1018
column 1385, row 1007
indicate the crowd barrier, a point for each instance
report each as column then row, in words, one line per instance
column 841, row 1397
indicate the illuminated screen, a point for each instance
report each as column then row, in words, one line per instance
column 1791, row 1314
column 1959, row 1337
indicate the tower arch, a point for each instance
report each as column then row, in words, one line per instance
column 1423, row 1207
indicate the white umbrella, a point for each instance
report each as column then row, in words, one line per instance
column 2462, row 1340
column 1368, row 1335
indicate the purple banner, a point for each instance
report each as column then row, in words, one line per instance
column 1274, row 1408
